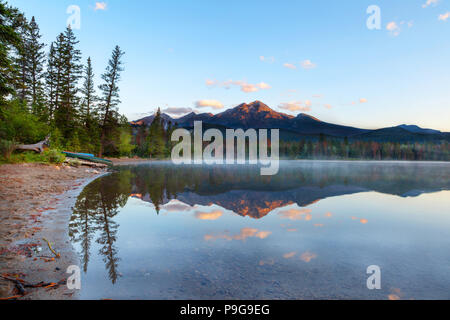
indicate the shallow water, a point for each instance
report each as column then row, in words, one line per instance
column 159, row 231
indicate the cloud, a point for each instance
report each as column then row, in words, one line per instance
column 294, row 106
column 100, row 6
column 444, row 16
column 177, row 111
column 248, row 87
column 263, row 86
column 289, row 66
column 308, row 103
column 393, row 28
column 209, row 103
column 307, row 64
column 429, row 3
column 363, row 100
column 244, row 85
column 267, row 59
column 328, row 106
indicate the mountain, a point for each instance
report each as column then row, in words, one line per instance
column 188, row 120
column 417, row 129
column 399, row 134
column 253, row 115
column 306, row 124
column 258, row 115
column 147, row 121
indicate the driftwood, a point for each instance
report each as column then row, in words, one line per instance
column 85, row 163
column 38, row 147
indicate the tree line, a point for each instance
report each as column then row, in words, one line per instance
column 155, row 142
column 369, row 150
column 48, row 90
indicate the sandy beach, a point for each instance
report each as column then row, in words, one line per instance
column 35, row 204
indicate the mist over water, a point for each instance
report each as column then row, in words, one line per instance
column 160, row 231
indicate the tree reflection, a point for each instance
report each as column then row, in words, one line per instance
column 93, row 217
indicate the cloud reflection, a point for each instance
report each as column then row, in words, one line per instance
column 289, row 255
column 176, row 206
column 243, row 235
column 296, row 214
column 214, row 215
column 269, row 262
column 308, row 256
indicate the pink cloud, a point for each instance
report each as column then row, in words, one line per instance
column 307, row 64
column 100, row 6
column 289, row 66
column 444, row 17
column 244, row 85
column 294, row 106
column 209, row 103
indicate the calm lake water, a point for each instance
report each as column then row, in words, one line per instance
column 160, row 231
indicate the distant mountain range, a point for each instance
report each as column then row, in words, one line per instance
column 257, row 115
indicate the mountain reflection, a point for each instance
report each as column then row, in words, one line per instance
column 244, row 191
column 239, row 189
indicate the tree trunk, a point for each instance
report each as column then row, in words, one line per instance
column 38, row 147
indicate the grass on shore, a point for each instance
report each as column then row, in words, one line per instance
column 47, row 157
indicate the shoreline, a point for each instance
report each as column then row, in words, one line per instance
column 35, row 203
column 131, row 161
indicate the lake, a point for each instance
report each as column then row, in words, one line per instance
column 160, row 231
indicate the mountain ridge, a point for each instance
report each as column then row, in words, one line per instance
column 258, row 115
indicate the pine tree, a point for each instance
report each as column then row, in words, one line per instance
column 88, row 91
column 10, row 40
column 21, row 62
column 155, row 139
column 36, row 56
column 110, row 96
column 69, row 72
column 51, row 78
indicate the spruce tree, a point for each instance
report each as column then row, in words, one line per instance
column 22, row 63
column 69, row 72
column 10, row 41
column 51, row 78
column 88, row 91
column 110, row 97
column 155, row 139
column 55, row 64
column 36, row 57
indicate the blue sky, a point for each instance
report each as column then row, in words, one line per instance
column 316, row 57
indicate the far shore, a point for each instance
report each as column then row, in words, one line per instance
column 136, row 160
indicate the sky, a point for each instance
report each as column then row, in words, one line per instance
column 316, row 57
